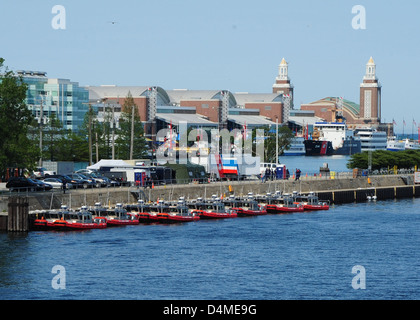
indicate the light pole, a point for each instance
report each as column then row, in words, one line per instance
column 41, row 123
column 132, row 133
column 277, row 141
column 90, row 131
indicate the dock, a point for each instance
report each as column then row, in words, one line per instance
column 17, row 207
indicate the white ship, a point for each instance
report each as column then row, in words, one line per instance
column 296, row 148
column 411, row 144
column 344, row 141
column 393, row 144
column 372, row 139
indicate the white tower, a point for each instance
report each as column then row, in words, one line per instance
column 282, row 84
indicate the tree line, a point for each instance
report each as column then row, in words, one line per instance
column 384, row 159
column 20, row 131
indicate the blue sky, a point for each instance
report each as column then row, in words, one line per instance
column 230, row 44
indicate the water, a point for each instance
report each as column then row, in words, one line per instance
column 311, row 164
column 272, row 257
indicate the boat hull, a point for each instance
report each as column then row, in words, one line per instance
column 122, row 222
column 248, row 213
column 215, row 215
column 318, row 148
column 314, row 207
column 66, row 225
column 167, row 218
column 273, row 208
column 350, row 147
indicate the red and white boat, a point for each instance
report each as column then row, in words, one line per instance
column 141, row 210
column 311, row 202
column 246, row 207
column 284, row 204
column 213, row 209
column 79, row 220
column 177, row 213
column 48, row 218
column 120, row 217
column 157, row 209
column 44, row 220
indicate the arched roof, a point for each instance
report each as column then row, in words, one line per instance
column 178, row 95
column 244, row 97
column 100, row 92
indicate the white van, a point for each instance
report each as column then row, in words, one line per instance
column 271, row 166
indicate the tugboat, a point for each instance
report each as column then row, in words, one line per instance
column 178, row 213
column 284, row 204
column 311, row 202
column 249, row 207
column 81, row 220
column 120, row 217
column 213, row 209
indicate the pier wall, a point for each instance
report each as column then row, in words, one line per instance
column 336, row 191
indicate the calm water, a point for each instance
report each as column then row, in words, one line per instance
column 275, row 257
column 311, row 165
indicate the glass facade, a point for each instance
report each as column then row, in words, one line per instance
column 60, row 97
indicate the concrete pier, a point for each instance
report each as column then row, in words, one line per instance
column 336, row 191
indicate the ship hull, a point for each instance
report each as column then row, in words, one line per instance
column 349, row 147
column 318, row 148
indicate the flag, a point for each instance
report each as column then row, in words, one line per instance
column 393, row 122
column 414, row 122
column 404, row 122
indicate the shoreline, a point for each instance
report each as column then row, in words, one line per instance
column 111, row 196
column 335, row 191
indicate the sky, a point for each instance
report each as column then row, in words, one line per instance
column 233, row 45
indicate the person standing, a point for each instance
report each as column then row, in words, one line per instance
column 64, row 185
column 297, row 174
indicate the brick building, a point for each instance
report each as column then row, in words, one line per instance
column 366, row 113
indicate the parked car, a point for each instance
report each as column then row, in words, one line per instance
column 42, row 172
column 82, row 180
column 57, row 183
column 71, row 183
column 26, row 184
column 101, row 181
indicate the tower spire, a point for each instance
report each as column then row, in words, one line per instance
column 370, row 70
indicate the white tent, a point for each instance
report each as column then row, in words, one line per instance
column 108, row 163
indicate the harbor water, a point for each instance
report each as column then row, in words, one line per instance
column 309, row 255
column 311, row 165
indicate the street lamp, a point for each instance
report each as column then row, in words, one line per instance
column 277, row 141
column 41, row 122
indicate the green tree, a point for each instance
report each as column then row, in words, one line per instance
column 131, row 132
column 53, row 131
column 16, row 149
column 285, row 138
column 72, row 147
column 383, row 159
